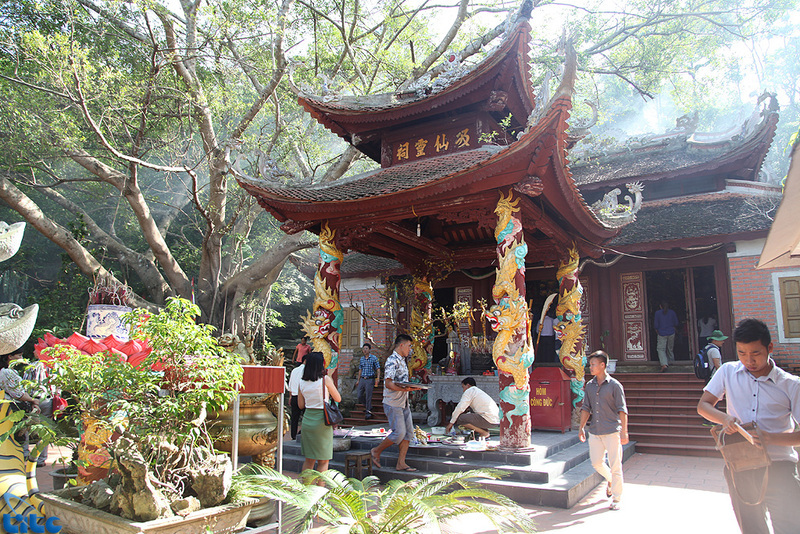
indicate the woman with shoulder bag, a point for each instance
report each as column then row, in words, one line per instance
column 315, row 389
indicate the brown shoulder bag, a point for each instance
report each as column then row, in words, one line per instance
column 741, row 456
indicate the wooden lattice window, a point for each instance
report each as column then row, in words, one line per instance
column 351, row 329
column 790, row 305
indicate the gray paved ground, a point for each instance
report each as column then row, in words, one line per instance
column 663, row 494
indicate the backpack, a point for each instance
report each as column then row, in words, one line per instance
column 702, row 367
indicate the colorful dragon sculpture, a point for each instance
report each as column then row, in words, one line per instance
column 421, row 328
column 513, row 348
column 569, row 329
column 323, row 324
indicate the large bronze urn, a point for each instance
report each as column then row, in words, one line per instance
column 258, row 428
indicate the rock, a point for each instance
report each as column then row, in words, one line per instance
column 137, row 497
column 212, row 481
column 99, row 495
column 184, row 507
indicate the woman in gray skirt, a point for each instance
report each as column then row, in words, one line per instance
column 316, row 437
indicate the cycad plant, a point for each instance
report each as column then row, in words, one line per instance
column 349, row 505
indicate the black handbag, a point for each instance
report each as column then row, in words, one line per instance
column 333, row 416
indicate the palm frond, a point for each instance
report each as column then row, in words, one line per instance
column 465, row 479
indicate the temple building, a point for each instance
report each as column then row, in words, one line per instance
column 485, row 196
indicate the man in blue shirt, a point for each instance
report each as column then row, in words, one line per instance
column 665, row 323
column 369, row 370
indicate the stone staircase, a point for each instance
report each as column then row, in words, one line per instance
column 662, row 414
column 556, row 473
column 356, row 417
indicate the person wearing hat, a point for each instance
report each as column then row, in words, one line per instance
column 715, row 342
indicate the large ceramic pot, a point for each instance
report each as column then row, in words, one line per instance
column 258, row 436
column 77, row 518
column 10, row 239
column 103, row 320
column 16, row 325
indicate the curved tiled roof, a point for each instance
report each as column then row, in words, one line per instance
column 680, row 153
column 378, row 182
column 697, row 217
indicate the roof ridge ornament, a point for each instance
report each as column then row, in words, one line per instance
column 614, row 214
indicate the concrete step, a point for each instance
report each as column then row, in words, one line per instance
column 675, row 438
column 634, row 398
column 556, row 472
column 661, row 428
column 677, row 450
column 653, row 409
column 666, row 419
column 662, row 409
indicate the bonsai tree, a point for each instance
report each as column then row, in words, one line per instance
column 349, row 505
column 151, row 416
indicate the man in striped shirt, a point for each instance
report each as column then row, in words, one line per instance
column 369, row 370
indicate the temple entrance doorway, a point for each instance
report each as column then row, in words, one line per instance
column 705, row 303
column 444, row 297
column 692, row 294
column 670, row 286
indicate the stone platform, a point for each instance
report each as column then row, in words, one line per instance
column 556, row 473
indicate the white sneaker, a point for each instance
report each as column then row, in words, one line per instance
column 614, row 506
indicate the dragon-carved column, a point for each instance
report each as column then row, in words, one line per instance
column 513, row 349
column 569, row 329
column 323, row 324
column 421, row 329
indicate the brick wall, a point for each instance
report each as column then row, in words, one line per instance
column 366, row 295
column 753, row 295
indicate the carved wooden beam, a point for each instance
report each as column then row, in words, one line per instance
column 533, row 214
column 408, row 237
column 408, row 256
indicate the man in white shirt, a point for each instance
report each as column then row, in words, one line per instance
column 485, row 412
column 756, row 390
column 294, row 384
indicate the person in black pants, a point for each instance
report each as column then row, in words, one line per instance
column 294, row 383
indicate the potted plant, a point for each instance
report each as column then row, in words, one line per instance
column 363, row 507
column 108, row 303
column 151, row 417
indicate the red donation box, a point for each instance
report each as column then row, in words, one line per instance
column 551, row 407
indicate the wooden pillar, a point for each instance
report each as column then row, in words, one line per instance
column 512, row 350
column 324, row 323
column 421, row 329
column 570, row 329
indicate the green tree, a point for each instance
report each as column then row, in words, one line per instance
column 129, row 119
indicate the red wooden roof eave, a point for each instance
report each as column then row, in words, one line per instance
column 458, row 89
column 704, row 241
column 563, row 192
